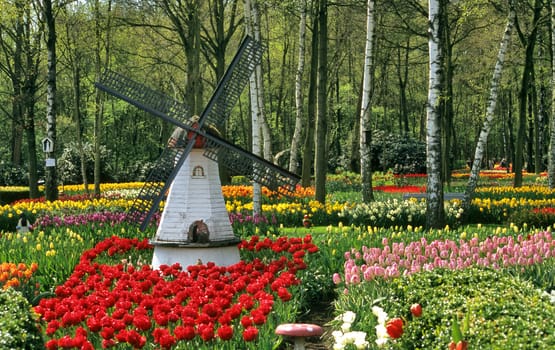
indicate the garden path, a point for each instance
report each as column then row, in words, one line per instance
column 321, row 313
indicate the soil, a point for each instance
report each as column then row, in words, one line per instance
column 320, row 314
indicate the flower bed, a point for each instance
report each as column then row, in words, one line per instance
column 102, row 305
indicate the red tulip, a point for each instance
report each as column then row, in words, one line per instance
column 250, row 333
column 394, row 327
column 416, row 310
column 460, row 345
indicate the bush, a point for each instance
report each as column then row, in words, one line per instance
column 537, row 218
column 13, row 175
column 402, row 154
column 503, row 312
column 18, row 326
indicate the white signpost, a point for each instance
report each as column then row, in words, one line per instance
column 48, row 147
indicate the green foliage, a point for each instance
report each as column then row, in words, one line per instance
column 533, row 218
column 343, row 182
column 18, row 325
column 13, row 175
column 69, row 163
column 403, row 154
column 240, row 180
column 503, row 312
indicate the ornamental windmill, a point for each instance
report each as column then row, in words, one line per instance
column 195, row 224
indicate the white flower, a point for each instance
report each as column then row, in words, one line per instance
column 380, row 342
column 381, row 331
column 361, row 345
column 345, row 327
column 349, row 317
column 337, row 335
column 380, row 314
column 338, row 346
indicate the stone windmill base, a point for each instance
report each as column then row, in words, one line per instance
column 195, row 226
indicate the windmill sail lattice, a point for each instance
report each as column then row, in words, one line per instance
column 217, row 110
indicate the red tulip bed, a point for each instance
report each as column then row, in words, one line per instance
column 204, row 306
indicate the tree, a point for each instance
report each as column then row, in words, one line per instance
column 366, row 109
column 51, row 181
column 75, row 56
column 551, row 153
column 529, row 42
column 320, row 154
column 102, row 45
column 434, row 203
column 296, row 138
column 20, row 40
column 308, row 147
column 492, row 101
column 255, row 111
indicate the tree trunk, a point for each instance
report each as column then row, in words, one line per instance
column 308, row 150
column 530, row 44
column 266, row 133
column 28, row 95
column 297, row 133
column 255, row 112
column 490, row 110
column 551, row 153
column 51, row 181
column 99, row 97
column 77, row 119
column 320, row 156
column 434, row 209
column 446, row 98
column 29, row 126
column 16, row 78
column 366, row 109
column 403, row 77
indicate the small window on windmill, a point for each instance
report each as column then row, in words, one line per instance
column 198, row 172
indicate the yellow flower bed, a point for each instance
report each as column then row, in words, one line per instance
column 103, row 187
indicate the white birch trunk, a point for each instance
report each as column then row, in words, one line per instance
column 255, row 111
column 296, row 139
column 266, row 133
column 434, row 210
column 492, row 102
column 551, row 154
column 366, row 109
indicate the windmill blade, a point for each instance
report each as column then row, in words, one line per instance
column 233, row 82
column 143, row 97
column 254, row 167
column 217, row 110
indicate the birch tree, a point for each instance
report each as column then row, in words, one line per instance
column 434, row 209
column 551, row 153
column 296, row 138
column 51, row 181
column 366, row 109
column 263, row 123
column 255, row 112
column 492, row 101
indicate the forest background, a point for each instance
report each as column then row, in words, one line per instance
column 54, row 51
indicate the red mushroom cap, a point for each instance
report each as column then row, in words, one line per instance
column 299, row 330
